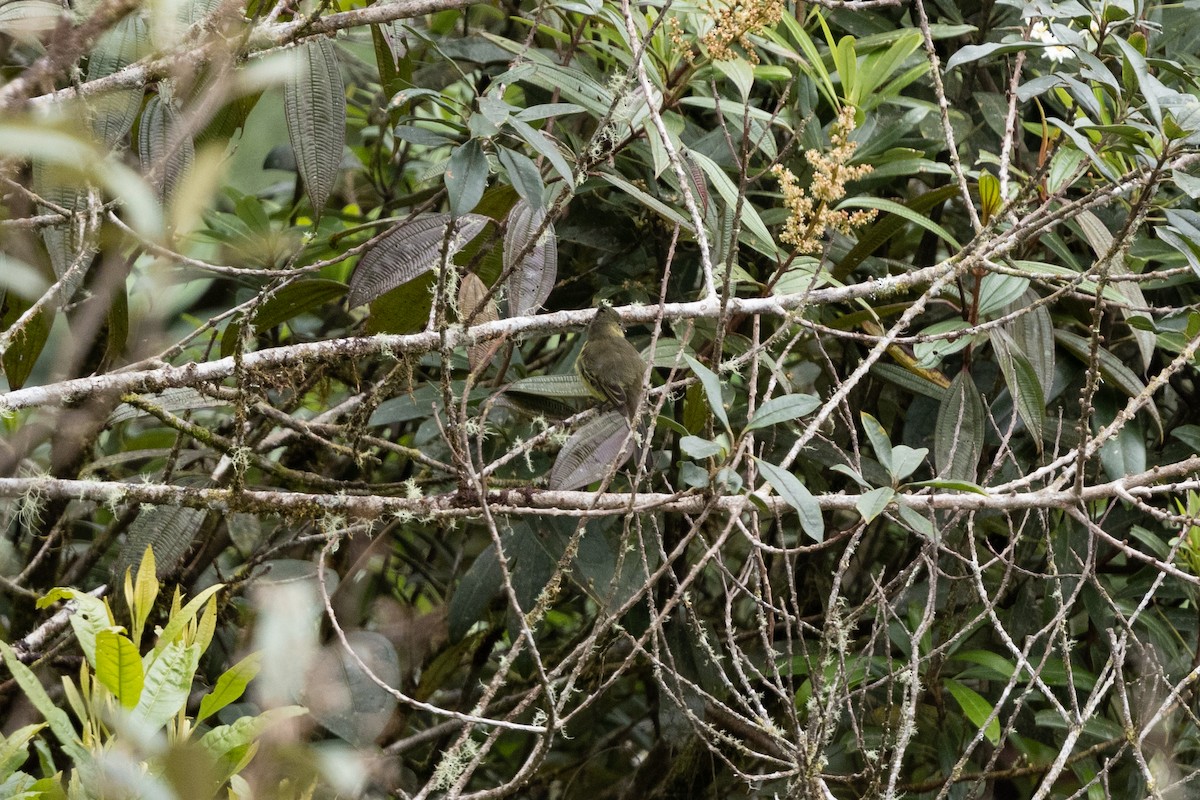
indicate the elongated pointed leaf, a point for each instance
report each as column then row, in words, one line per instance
column 871, row 504
column 466, row 177
column 783, row 409
column 976, row 709
column 989, row 196
column 230, row 686
column 1033, row 332
column 712, row 389
column 24, row 348
column 880, row 441
column 24, row 20
column 1100, row 238
column 544, row 146
column 89, row 617
column 58, row 720
column 728, row 191
column 180, row 619
column 409, row 252
column 523, row 174
column 551, row 386
column 168, row 682
column 958, row 432
column 892, row 207
column 112, row 113
column 796, row 495
column 592, row 451
column 479, row 584
column 473, row 307
column 1022, row 384
column 532, row 277
column 224, row 739
column 1112, row 369
column 163, row 147
column 887, row 226
column 314, row 101
column 699, row 447
column 69, row 241
column 119, row 667
column 170, row 530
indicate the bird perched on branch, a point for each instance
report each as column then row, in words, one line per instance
column 609, row 366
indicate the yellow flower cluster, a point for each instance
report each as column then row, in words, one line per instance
column 735, row 21
column 811, row 212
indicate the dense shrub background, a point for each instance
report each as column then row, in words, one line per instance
column 292, row 295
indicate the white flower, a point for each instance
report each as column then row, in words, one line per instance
column 1057, row 52
column 1040, row 31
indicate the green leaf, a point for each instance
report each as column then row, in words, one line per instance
column 1151, row 87
column 14, row 749
column 550, row 386
column 596, row 449
column 24, row 19
column 728, row 191
column 532, row 277
column 976, row 708
column 1031, row 331
column 545, row 147
column 996, row 291
column 917, row 521
column 66, row 242
column 343, row 698
column 892, row 207
column 112, row 113
column 164, row 146
column 314, row 102
column 168, row 683
column 169, row 530
column 1124, row 454
column 712, row 389
column 989, row 196
column 959, row 430
column 224, row 739
column 466, row 177
column 873, row 238
column 783, row 409
column 697, row 447
column 58, row 720
column 667, row 352
column 871, row 504
column 1002, row 667
column 88, row 619
column 670, row 214
column 523, row 174
column 1084, row 144
column 25, row 347
column 408, row 252
column 474, row 592
column 230, row 686
column 179, row 619
column 1022, row 384
column 907, row 460
column 796, row 495
column 879, row 441
column 119, row 667
column 295, row 299
column 693, row 475
column 1112, row 369
column 931, row 352
column 951, row 485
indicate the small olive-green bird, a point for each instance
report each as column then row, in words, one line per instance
column 609, row 366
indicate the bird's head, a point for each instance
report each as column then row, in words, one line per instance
column 606, row 322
